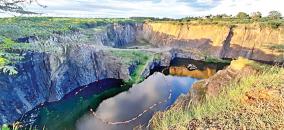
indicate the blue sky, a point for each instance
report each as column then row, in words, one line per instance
column 154, row 8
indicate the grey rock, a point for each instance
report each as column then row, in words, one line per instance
column 48, row 77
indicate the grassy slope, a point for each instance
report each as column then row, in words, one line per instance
column 129, row 57
column 253, row 102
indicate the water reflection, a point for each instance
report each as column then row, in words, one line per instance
column 140, row 97
column 201, row 74
column 62, row 115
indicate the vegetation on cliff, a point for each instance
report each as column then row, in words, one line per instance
column 16, row 31
column 137, row 60
column 9, row 55
column 251, row 102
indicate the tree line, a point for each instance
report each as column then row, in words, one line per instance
column 273, row 15
column 258, row 15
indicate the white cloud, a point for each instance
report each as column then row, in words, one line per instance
column 205, row 1
column 155, row 8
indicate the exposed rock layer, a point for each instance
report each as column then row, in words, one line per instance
column 250, row 41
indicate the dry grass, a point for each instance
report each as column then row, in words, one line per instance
column 253, row 102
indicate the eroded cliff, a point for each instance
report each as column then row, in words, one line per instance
column 48, row 77
column 61, row 63
column 247, row 40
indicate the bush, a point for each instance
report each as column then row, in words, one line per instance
column 274, row 25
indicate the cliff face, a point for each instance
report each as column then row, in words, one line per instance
column 251, row 41
column 60, row 64
column 48, row 77
column 112, row 35
column 121, row 35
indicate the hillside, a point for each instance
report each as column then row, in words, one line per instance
column 246, row 95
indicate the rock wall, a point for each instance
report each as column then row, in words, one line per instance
column 121, row 35
column 48, row 77
column 62, row 63
column 112, row 35
column 251, row 41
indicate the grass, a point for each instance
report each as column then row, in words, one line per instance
column 11, row 29
column 134, row 57
column 253, row 102
column 210, row 59
column 17, row 27
column 278, row 47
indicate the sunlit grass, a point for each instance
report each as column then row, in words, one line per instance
column 134, row 57
column 43, row 27
column 253, row 102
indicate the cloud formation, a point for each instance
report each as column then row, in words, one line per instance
column 153, row 8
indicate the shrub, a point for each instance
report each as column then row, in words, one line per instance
column 274, row 25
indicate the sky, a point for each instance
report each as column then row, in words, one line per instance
column 151, row 8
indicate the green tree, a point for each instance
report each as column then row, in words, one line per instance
column 7, row 58
column 256, row 15
column 221, row 16
column 5, row 127
column 242, row 15
column 274, row 15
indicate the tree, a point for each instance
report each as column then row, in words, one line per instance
column 16, row 6
column 7, row 57
column 242, row 15
column 274, row 15
column 256, row 15
column 221, row 16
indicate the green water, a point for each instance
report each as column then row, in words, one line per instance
column 62, row 115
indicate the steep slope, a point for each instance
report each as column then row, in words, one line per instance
column 48, row 77
column 251, row 40
column 61, row 62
